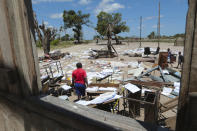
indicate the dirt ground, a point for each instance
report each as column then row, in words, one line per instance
column 79, row 54
column 120, row 48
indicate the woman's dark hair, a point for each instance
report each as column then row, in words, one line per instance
column 79, row 65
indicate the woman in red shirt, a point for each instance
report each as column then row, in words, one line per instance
column 79, row 80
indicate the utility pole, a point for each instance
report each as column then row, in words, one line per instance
column 140, row 31
column 158, row 27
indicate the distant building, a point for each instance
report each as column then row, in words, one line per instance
column 179, row 41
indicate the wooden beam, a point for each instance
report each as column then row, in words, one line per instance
column 17, row 51
column 140, row 31
column 158, row 28
column 139, row 101
column 149, row 83
column 188, row 80
column 169, row 105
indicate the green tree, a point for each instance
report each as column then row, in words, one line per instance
column 66, row 37
column 96, row 37
column 75, row 20
column 151, row 35
column 179, row 35
column 115, row 19
column 45, row 35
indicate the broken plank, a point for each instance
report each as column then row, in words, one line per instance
column 155, row 78
column 162, row 74
column 149, row 83
column 149, row 71
column 169, row 105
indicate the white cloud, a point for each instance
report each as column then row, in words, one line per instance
column 39, row 1
column 56, row 16
column 152, row 17
column 108, row 6
column 84, row 2
column 34, row 2
column 155, row 26
column 50, row 26
column 46, row 22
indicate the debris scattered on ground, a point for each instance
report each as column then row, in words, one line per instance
column 140, row 78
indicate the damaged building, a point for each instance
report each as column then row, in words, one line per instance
column 36, row 94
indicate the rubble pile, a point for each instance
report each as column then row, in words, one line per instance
column 138, row 78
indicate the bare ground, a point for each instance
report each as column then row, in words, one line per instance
column 78, row 52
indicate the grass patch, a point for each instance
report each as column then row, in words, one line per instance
column 87, row 41
column 152, row 40
column 62, row 44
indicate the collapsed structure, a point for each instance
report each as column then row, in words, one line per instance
column 22, row 107
column 144, row 89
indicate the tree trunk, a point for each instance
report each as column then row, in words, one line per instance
column 109, row 46
column 46, row 45
column 78, row 35
column 78, row 39
column 116, row 38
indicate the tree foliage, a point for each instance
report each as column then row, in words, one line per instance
column 66, row 37
column 55, row 42
column 179, row 35
column 115, row 19
column 152, row 35
column 75, row 20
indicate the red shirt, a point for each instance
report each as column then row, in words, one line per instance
column 79, row 75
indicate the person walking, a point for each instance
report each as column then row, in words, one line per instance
column 79, row 80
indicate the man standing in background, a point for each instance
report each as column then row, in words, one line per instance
column 180, row 60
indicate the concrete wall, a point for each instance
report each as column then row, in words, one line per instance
column 51, row 114
column 14, row 118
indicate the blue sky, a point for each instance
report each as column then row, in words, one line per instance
column 173, row 14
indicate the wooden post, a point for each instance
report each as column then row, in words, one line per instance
column 140, row 31
column 17, row 48
column 189, row 77
column 158, row 28
column 151, row 110
column 134, row 107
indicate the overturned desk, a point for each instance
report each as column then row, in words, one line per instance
column 100, row 88
column 148, row 100
column 103, row 78
column 107, row 101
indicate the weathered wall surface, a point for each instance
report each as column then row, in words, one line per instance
column 187, row 116
column 14, row 118
column 51, row 114
column 16, row 47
